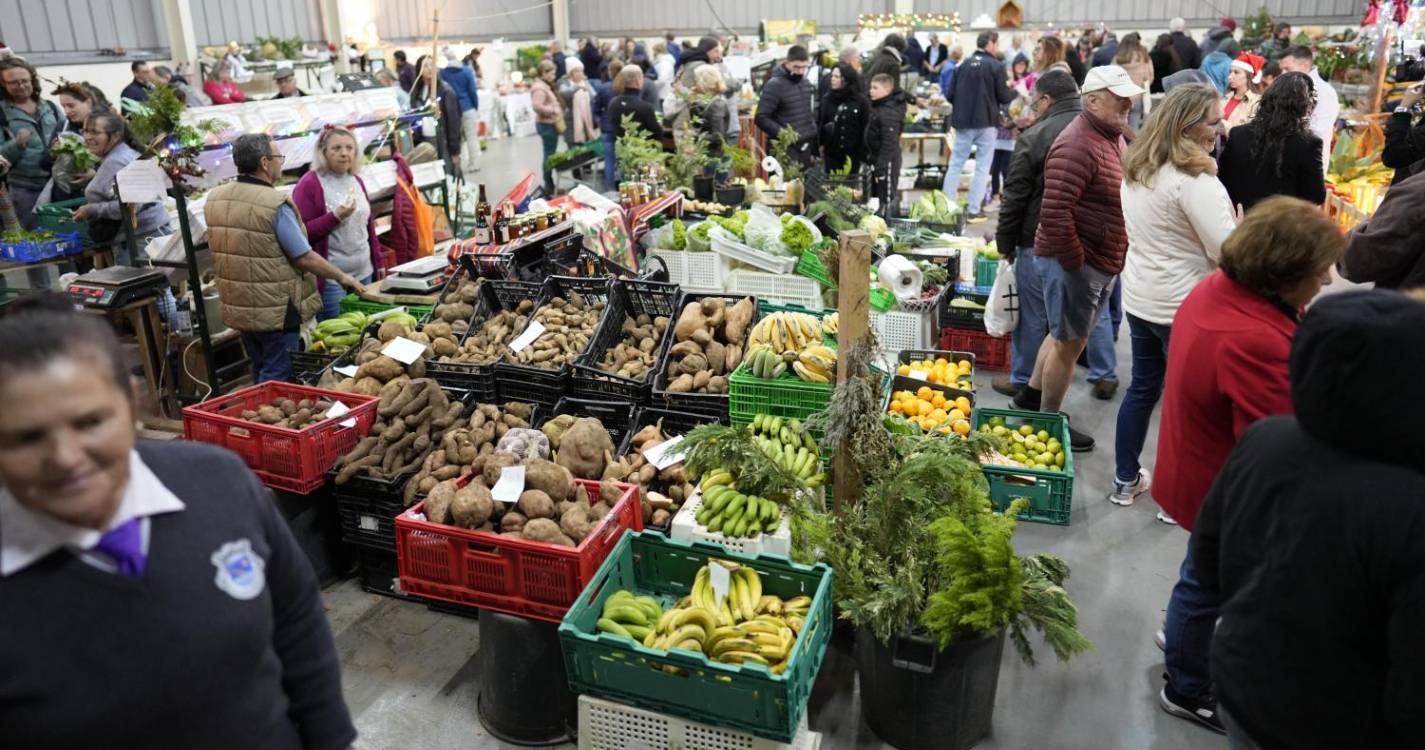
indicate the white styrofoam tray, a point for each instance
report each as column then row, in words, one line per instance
column 685, row 528
column 606, row 725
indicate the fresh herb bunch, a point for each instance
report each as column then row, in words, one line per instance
column 839, row 209
column 636, row 150
column 782, row 148
column 18, row 236
column 714, row 446
column 740, row 160
column 72, row 145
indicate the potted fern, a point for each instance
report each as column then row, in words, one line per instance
column 927, row 573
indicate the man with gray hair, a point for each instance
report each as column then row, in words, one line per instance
column 262, row 260
column 1187, row 49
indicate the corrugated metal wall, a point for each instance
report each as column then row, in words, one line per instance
column 217, row 22
column 53, row 29
column 471, row 20
column 1152, row 13
column 691, row 17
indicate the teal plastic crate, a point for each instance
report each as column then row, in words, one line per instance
column 747, row 697
column 985, row 271
column 57, row 218
column 351, row 302
column 1050, row 493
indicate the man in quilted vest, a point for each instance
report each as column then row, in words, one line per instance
column 263, row 261
column 1081, row 241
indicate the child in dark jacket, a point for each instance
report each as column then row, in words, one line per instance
column 883, row 140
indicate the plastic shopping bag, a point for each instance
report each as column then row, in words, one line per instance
column 1002, row 314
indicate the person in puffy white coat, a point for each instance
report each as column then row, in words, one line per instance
column 1177, row 214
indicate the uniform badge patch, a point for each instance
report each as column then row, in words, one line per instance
column 240, row 570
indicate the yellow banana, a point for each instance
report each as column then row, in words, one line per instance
column 800, row 602
column 772, row 653
column 665, row 623
column 807, row 374
column 650, row 639
column 766, row 639
column 754, row 589
column 724, row 615
column 788, row 638
column 795, row 623
column 761, row 627
column 696, row 616
column 690, row 645
column 779, row 667
column 769, row 604
column 690, row 630
column 742, row 657
column 720, row 634
column 746, row 605
column 733, row 644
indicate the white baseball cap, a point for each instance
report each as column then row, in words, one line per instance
column 1113, row 78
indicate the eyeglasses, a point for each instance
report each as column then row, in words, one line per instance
column 278, row 157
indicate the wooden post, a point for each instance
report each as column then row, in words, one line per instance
column 854, row 310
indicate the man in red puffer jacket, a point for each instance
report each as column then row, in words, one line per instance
column 1080, row 243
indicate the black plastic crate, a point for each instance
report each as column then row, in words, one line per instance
column 616, row 416
column 965, row 317
column 630, row 298
column 707, row 404
column 674, row 423
column 564, row 256
column 479, row 379
column 537, row 385
column 307, row 367
column 498, row 265
column 378, row 572
column 368, row 508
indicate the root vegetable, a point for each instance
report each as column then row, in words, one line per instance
column 496, row 463
column 512, row 521
column 575, row 523
column 542, row 530
column 524, row 443
column 661, row 518
column 584, row 448
column 471, row 506
column 536, row 504
column 548, row 477
column 437, row 503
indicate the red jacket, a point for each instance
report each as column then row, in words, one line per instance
column 1227, row 368
column 1081, row 218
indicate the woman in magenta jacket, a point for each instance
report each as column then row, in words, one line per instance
column 337, row 212
column 1227, row 368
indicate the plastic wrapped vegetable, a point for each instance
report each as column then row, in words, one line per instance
column 680, row 235
column 797, row 235
column 698, row 239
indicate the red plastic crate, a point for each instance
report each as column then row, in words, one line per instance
column 500, row 573
column 284, row 459
column 991, row 352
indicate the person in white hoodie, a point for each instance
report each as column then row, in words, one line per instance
column 1301, row 59
column 663, row 67
column 1177, row 214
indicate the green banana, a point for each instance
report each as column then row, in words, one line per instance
column 609, row 626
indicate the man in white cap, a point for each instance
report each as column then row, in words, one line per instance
column 286, row 83
column 1080, row 244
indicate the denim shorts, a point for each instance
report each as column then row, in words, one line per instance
column 1073, row 300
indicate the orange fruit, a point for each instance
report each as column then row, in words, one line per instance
column 903, row 370
column 925, row 408
column 961, row 426
column 924, row 392
column 963, row 403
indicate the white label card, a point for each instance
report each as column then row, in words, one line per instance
column 721, row 579
column 919, row 374
column 347, row 370
column 510, row 486
column 369, row 523
column 404, row 350
column 666, row 453
column 339, row 409
column 525, row 339
column 143, row 182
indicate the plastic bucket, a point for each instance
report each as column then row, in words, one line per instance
column 524, row 690
column 703, row 188
column 915, row 697
column 731, row 195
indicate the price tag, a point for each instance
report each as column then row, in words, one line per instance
column 721, row 579
column 404, row 350
column 666, row 453
column 525, row 339
column 919, row 375
column 510, row 486
column 339, row 409
column 347, row 370
column 369, row 523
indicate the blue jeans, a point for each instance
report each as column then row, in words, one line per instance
column 983, row 141
column 1102, row 357
column 1033, row 323
column 270, row 354
column 610, row 160
column 1150, row 364
column 332, row 293
column 1191, row 619
column 549, row 136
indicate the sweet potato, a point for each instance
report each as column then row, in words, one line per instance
column 437, row 504
column 584, row 448
column 575, row 523
column 737, row 319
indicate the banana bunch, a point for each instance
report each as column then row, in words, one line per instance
column 747, row 627
column 831, row 323
column 785, row 442
column 735, row 515
column 630, row 616
column 785, row 332
column 814, row 363
column 334, row 335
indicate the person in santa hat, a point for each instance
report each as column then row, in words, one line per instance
column 1240, row 106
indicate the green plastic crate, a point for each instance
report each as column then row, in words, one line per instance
column 351, row 302
column 810, row 266
column 747, row 697
column 56, row 218
column 985, row 271
column 1050, row 493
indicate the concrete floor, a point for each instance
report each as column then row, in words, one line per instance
column 410, row 678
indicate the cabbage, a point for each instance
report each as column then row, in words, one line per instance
column 874, row 224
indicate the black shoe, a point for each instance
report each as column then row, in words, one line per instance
column 1203, row 712
column 1104, row 389
column 1005, row 386
column 1083, row 360
column 1079, row 442
column 1028, row 399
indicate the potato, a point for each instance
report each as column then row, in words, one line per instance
column 541, row 530
column 512, row 521
column 536, row 504
column 524, row 442
column 661, row 518
column 575, row 523
column 548, row 477
column 270, row 414
column 581, row 495
column 382, row 368
column 598, row 510
column 472, row 506
column 585, row 448
column 437, row 504
column 495, row 464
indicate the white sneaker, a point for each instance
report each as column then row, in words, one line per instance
column 1125, row 494
column 1166, row 519
column 1160, row 639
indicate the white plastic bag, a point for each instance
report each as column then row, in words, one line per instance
column 763, row 230
column 1002, row 313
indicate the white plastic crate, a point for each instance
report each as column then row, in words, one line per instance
column 700, row 273
column 904, row 330
column 752, row 257
column 605, row 725
column 776, row 288
column 686, row 528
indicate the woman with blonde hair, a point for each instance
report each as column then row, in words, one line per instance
column 1177, row 215
column 1132, row 56
column 336, row 209
column 710, row 107
column 548, row 116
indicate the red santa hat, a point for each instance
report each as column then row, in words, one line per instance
column 1251, row 65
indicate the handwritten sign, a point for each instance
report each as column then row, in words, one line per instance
column 339, row 409
column 525, row 339
column 143, row 182
column 721, row 580
column 510, row 486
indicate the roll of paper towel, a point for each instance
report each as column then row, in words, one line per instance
column 901, row 276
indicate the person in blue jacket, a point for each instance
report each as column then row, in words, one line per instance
column 462, row 79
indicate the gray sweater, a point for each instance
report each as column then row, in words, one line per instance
column 169, row 659
column 103, row 194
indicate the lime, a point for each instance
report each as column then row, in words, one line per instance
column 1059, row 459
column 1043, row 436
column 1026, row 430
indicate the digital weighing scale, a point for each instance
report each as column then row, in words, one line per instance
column 116, row 286
column 421, row 276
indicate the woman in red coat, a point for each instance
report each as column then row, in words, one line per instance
column 1227, row 368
